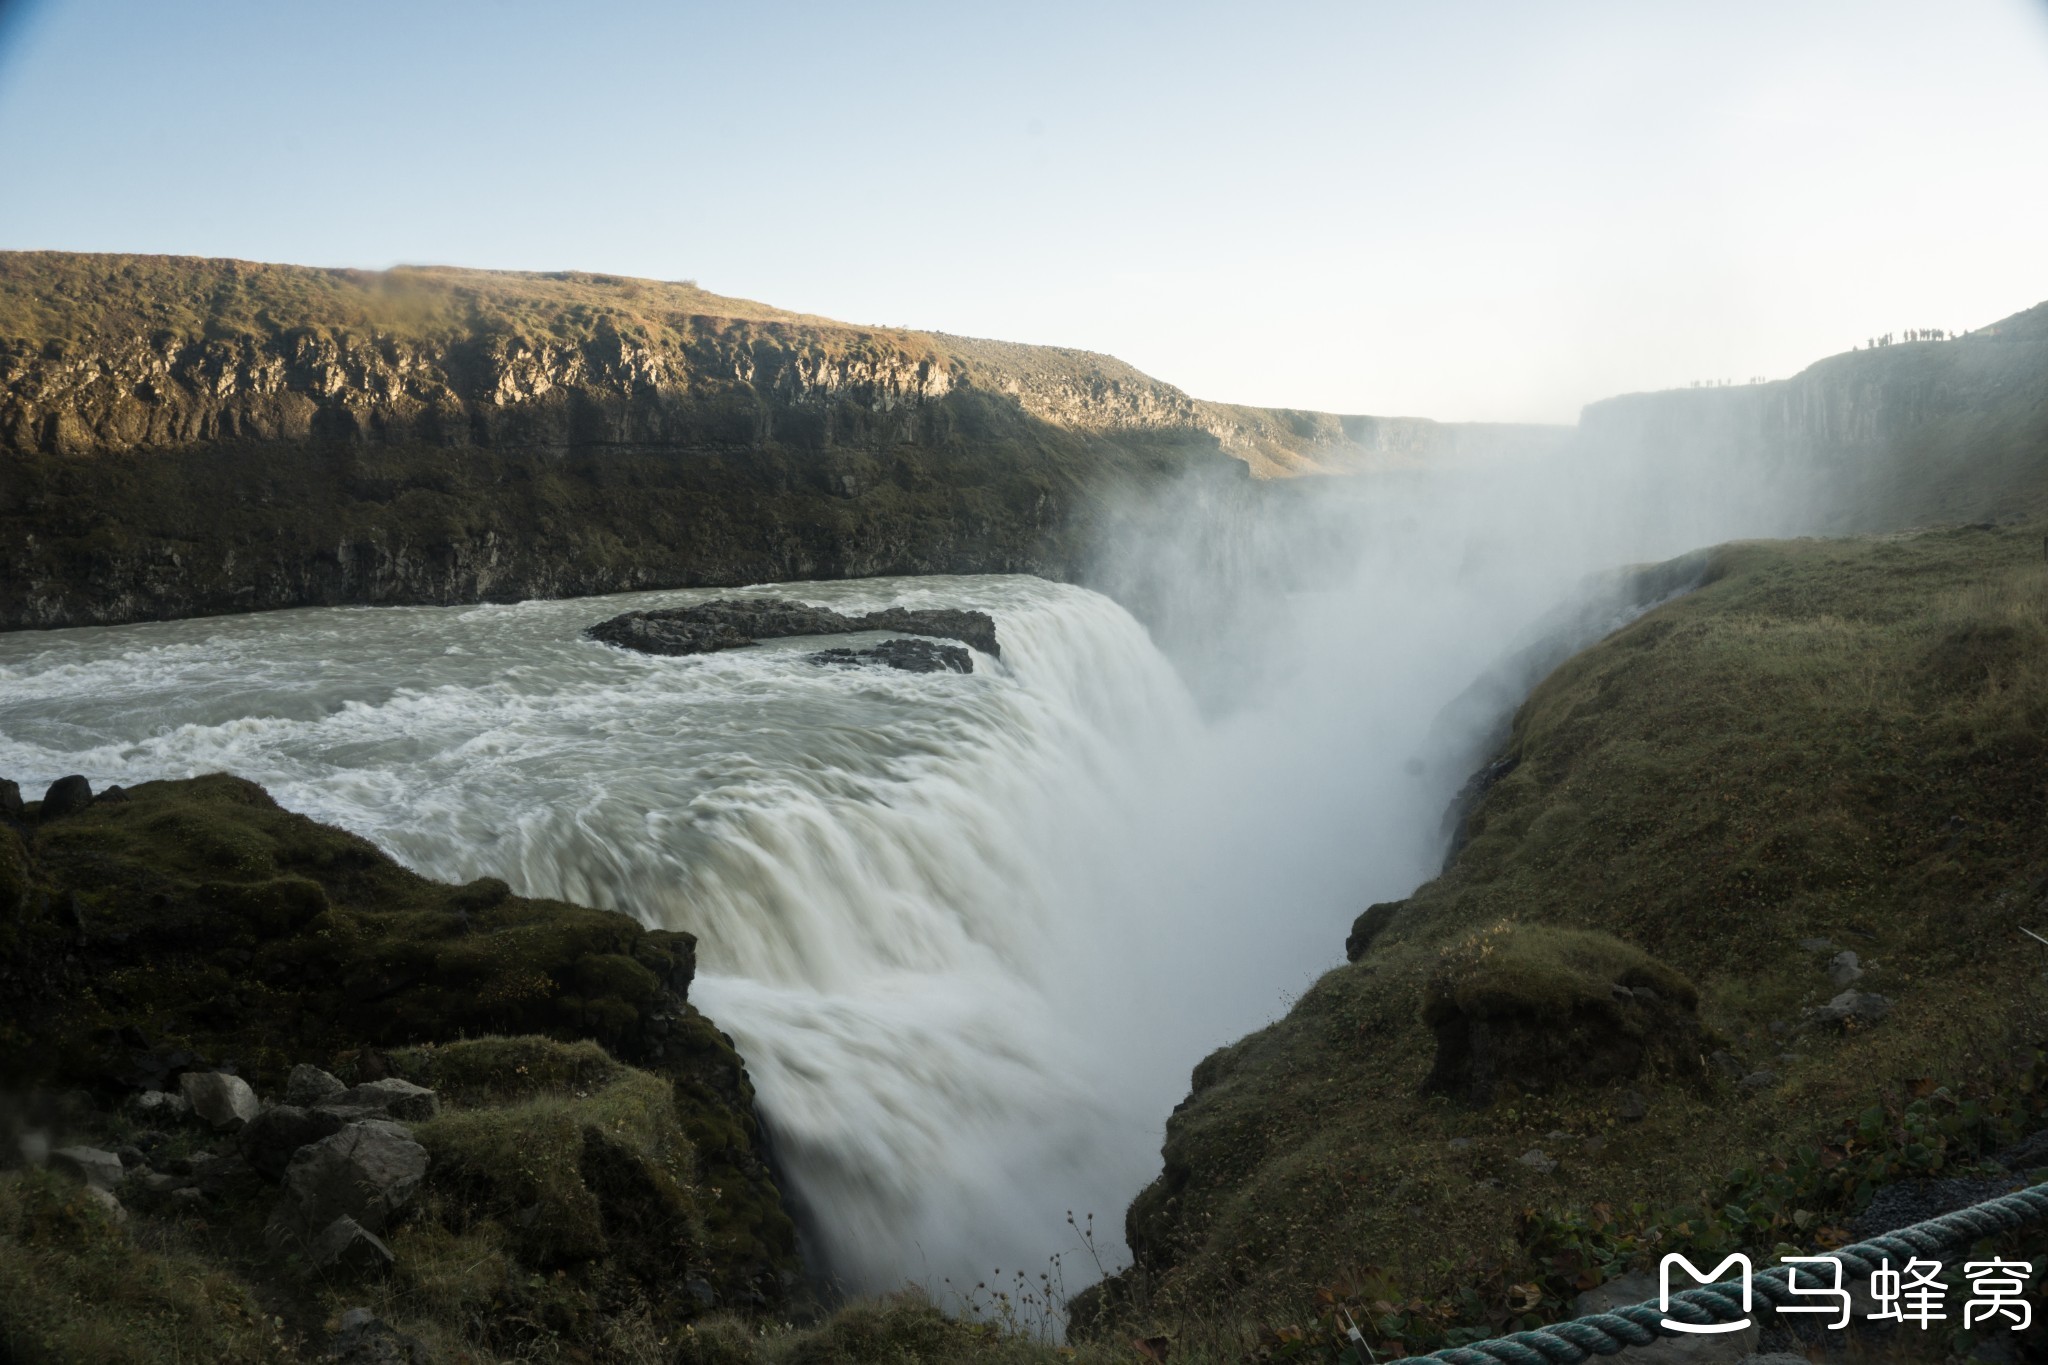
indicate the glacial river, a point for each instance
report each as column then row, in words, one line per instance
column 969, row 931
column 938, row 913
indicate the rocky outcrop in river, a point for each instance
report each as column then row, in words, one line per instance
column 736, row 622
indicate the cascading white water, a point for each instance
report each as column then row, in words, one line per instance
column 969, row 932
column 878, row 864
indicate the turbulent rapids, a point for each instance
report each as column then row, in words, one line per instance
column 895, row 877
column 969, row 930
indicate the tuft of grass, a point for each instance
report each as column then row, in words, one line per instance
column 78, row 1289
column 492, row 1069
column 528, row 1164
column 1544, row 970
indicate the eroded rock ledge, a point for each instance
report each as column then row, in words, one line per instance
column 735, row 623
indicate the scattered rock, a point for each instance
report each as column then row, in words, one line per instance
column 368, row 1171
column 309, row 1085
column 911, row 656
column 217, row 1098
column 1759, row 1080
column 1906, row 1202
column 734, row 623
column 1817, row 945
column 1844, row 970
column 1726, row 1062
column 1595, row 1145
column 391, row 1096
column 269, row 1140
column 1633, row 1108
column 1849, row 1008
column 1536, row 1161
column 66, row 796
column 159, row 1106
column 1368, row 926
column 1725, row 1348
column 362, row 1338
column 131, row 1156
column 101, row 1170
column 106, row 1200
column 346, row 1247
column 160, row 1183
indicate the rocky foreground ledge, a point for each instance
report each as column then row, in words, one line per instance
column 246, row 1058
column 737, row 622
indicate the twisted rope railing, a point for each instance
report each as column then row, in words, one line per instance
column 1603, row 1334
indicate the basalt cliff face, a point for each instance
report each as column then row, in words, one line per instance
column 185, row 437
column 1913, row 434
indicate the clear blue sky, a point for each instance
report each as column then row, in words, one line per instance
column 1459, row 209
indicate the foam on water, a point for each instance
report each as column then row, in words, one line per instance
column 881, row 866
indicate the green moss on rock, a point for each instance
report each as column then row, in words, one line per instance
column 196, row 923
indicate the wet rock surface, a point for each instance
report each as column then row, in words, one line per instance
column 219, row 1099
column 910, row 656
column 735, row 623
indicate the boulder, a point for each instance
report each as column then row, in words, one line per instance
column 269, row 1141
column 217, row 1098
column 910, row 656
column 389, row 1097
column 1849, row 1009
column 108, row 1204
column 368, row 1171
column 101, row 1170
column 362, row 1338
column 346, row 1247
column 735, row 623
column 1368, row 926
column 10, row 800
column 159, row 1106
column 66, row 796
column 309, row 1085
column 1844, row 970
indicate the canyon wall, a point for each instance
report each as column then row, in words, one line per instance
column 1918, row 433
column 183, row 437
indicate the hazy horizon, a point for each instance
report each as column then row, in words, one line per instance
column 1474, row 213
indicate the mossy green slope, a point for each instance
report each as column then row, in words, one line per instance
column 1834, row 744
column 195, row 923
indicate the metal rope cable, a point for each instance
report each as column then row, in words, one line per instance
column 1603, row 1334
